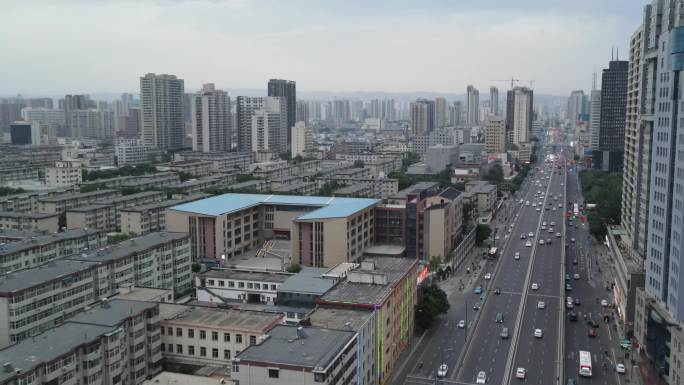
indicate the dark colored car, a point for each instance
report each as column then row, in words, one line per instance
column 573, row 316
column 592, row 323
column 577, row 302
column 497, row 291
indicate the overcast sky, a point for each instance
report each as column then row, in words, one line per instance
column 88, row 46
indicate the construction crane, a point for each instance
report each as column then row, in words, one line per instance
column 512, row 80
column 515, row 81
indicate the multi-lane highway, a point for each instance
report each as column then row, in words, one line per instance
column 539, row 264
column 514, row 292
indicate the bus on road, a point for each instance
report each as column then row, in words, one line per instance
column 585, row 369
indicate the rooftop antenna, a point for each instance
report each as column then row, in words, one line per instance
column 612, row 54
column 593, row 81
column 617, row 53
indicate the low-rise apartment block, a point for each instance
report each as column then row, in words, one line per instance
column 194, row 167
column 296, row 355
column 105, row 214
column 381, row 188
column 361, row 321
column 239, row 286
column 40, row 222
column 117, row 342
column 157, row 260
column 143, row 182
column 385, row 286
column 63, row 173
column 38, row 250
column 222, row 161
column 61, row 203
column 483, row 194
column 324, row 230
column 33, row 300
column 30, row 201
column 143, row 219
column 200, row 336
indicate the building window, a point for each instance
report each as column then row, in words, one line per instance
column 252, row 340
column 203, row 335
column 203, row 351
column 191, row 350
column 214, row 336
column 170, row 348
column 169, row 331
column 179, row 332
column 191, row 333
column 214, row 353
column 226, row 354
column 226, row 337
column 222, row 283
column 238, row 338
column 273, row 373
column 179, row 349
column 163, row 347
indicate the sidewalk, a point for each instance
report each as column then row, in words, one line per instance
column 603, row 275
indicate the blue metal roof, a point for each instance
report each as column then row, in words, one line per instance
column 330, row 207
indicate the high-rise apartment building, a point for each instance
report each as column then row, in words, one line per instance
column 637, row 158
column 285, row 89
column 495, row 135
column 211, row 120
column 576, row 107
column 161, row 106
column 53, row 119
column 611, row 146
column 594, row 118
column 519, row 115
column 493, row 101
column 301, row 139
column 440, row 112
column 247, row 107
column 456, row 114
column 268, row 127
column 422, row 116
column 472, row 106
column 302, row 114
column 71, row 103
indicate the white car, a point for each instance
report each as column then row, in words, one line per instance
column 544, row 223
column 535, row 286
column 481, row 378
column 497, row 238
column 541, row 241
column 538, row 333
column 488, row 276
column 534, row 205
column 538, row 209
column 530, row 234
column 604, row 302
column 520, row 373
column 553, row 223
column 517, row 255
column 572, row 240
column 558, row 235
column 528, row 244
column 461, row 324
column 576, row 276
column 620, row 368
column 553, row 208
column 442, row 371
column 543, row 227
column 541, row 305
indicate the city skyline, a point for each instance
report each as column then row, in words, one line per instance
column 311, row 44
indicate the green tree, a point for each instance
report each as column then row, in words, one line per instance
column 434, row 303
column 482, row 232
column 495, row 174
column 294, row 268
